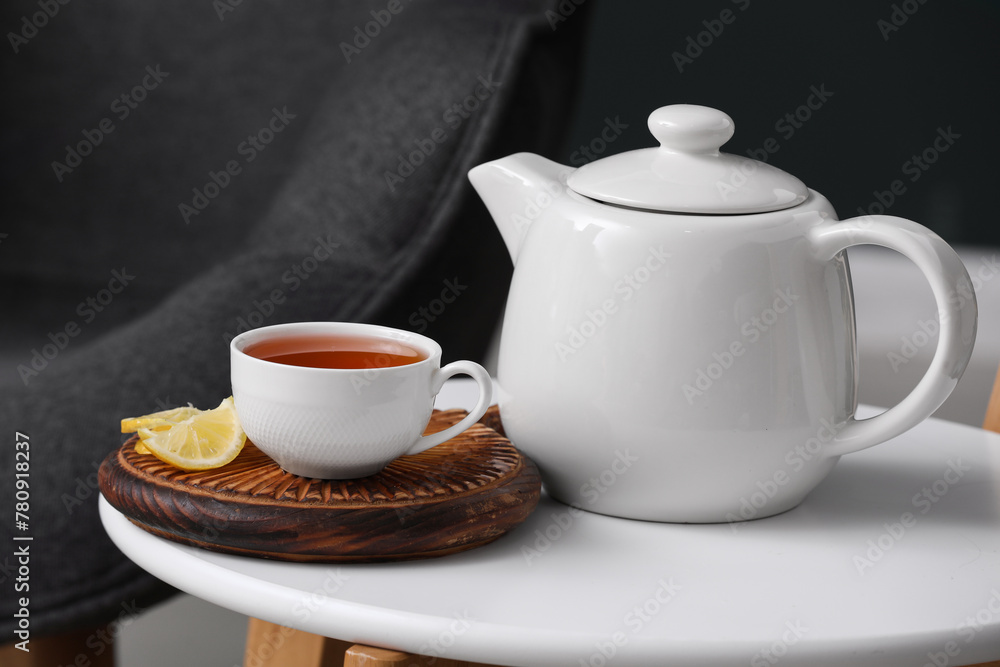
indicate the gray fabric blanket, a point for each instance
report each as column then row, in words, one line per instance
column 177, row 173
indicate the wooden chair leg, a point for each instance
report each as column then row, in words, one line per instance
column 272, row 645
column 370, row 656
column 992, row 421
column 91, row 646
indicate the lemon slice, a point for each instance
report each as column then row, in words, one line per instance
column 173, row 416
column 189, row 438
column 155, row 421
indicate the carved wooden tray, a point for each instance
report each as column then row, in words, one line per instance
column 461, row 494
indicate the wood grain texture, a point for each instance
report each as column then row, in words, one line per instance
column 461, row 494
column 370, row 656
column 272, row 645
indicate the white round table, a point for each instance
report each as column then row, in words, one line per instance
column 893, row 561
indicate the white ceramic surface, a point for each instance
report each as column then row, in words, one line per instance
column 711, row 357
column 687, row 172
column 344, row 423
column 893, row 561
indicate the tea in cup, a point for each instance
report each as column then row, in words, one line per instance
column 341, row 400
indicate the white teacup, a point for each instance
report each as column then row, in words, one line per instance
column 343, row 423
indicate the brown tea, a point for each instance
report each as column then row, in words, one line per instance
column 335, row 351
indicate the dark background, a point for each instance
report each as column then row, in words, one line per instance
column 890, row 96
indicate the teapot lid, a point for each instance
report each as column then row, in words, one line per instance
column 687, row 173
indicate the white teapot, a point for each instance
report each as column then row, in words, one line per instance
column 679, row 338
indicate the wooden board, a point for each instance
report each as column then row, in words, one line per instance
column 461, row 494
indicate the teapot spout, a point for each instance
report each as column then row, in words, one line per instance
column 516, row 189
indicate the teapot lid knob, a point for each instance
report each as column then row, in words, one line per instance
column 689, row 128
column 687, row 173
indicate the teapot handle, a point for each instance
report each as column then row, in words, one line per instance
column 957, row 314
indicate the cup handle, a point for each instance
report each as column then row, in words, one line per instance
column 482, row 378
column 957, row 314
